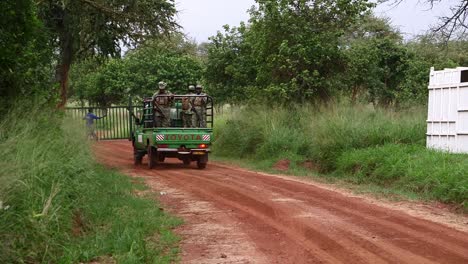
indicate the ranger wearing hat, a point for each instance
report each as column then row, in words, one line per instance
column 187, row 107
column 199, row 107
column 162, row 105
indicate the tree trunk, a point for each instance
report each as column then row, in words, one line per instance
column 66, row 55
column 64, row 69
column 354, row 95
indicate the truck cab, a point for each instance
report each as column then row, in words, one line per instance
column 188, row 144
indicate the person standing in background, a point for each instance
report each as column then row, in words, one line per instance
column 90, row 126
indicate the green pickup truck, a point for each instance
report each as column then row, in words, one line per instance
column 159, row 143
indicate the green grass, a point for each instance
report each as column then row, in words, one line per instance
column 380, row 148
column 433, row 175
column 60, row 206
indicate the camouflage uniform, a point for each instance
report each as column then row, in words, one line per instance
column 163, row 117
column 187, row 113
column 199, row 107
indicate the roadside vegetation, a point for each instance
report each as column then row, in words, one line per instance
column 329, row 86
column 354, row 143
column 59, row 206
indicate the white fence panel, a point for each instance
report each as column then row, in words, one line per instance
column 447, row 121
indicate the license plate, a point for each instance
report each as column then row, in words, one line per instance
column 198, row 153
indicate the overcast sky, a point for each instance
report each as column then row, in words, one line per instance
column 203, row 18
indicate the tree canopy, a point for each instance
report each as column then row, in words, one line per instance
column 288, row 50
column 83, row 28
column 321, row 50
column 25, row 65
column 138, row 73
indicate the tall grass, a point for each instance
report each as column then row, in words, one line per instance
column 378, row 146
column 434, row 175
column 320, row 134
column 59, row 206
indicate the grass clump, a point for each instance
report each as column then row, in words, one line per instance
column 337, row 129
column 60, row 206
column 356, row 143
column 434, row 175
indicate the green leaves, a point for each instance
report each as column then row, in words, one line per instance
column 138, row 73
column 86, row 28
column 318, row 50
column 25, row 55
column 288, row 51
column 100, row 27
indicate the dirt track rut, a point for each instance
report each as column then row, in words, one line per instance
column 236, row 216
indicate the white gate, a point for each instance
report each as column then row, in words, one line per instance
column 447, row 124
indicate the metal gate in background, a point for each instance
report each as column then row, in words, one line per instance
column 117, row 122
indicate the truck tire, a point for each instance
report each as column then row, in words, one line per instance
column 201, row 165
column 152, row 157
column 202, row 161
column 137, row 157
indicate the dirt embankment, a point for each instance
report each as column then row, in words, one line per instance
column 237, row 216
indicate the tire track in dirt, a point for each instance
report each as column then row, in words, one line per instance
column 312, row 239
column 343, row 250
column 394, row 222
column 284, row 221
column 313, row 221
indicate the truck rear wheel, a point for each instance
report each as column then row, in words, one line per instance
column 201, row 165
column 137, row 157
column 202, row 161
column 152, row 157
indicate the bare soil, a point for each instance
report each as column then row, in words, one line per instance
column 282, row 165
column 234, row 215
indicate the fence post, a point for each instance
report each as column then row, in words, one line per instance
column 130, row 117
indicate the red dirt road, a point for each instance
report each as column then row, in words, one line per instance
column 235, row 216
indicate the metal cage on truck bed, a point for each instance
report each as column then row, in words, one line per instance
column 148, row 117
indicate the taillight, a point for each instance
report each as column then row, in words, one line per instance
column 163, row 146
column 202, row 146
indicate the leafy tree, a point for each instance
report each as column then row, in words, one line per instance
column 230, row 66
column 82, row 28
column 438, row 52
column 377, row 67
column 377, row 60
column 289, row 51
column 293, row 51
column 138, row 73
column 25, row 58
column 296, row 44
column 430, row 52
column 387, row 71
